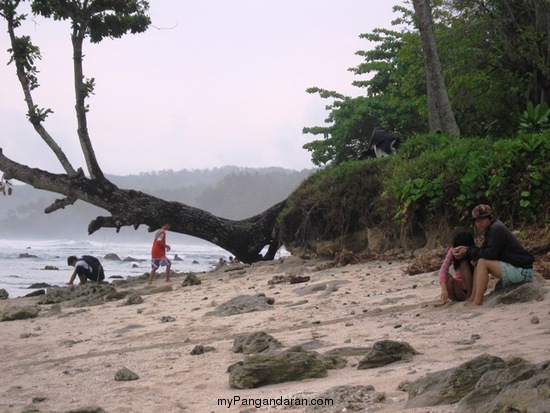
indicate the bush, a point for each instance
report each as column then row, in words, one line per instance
column 431, row 176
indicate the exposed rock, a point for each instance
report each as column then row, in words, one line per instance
column 348, row 351
column 39, row 285
column 518, row 388
column 125, row 374
column 254, row 343
column 243, row 304
column 93, row 409
column 451, row 385
column 19, row 313
column 112, row 256
column 167, row 319
column 348, row 399
column 522, row 293
column 35, row 293
column 134, row 299
column 27, row 255
column 270, row 368
column 4, row 295
column 51, row 268
column 199, row 349
column 191, row 279
column 296, row 279
column 82, row 295
column 279, row 279
column 386, row 352
column 334, row 362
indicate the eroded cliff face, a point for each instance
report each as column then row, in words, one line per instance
column 379, row 240
column 433, row 238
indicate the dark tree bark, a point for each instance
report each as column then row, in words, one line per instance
column 245, row 239
column 440, row 113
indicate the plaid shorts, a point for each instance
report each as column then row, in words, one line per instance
column 160, row 262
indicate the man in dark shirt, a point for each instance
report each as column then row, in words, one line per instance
column 501, row 255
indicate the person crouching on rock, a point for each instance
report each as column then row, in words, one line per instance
column 87, row 268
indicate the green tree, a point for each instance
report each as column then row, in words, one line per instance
column 351, row 126
column 494, row 56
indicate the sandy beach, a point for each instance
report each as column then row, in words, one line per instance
column 66, row 359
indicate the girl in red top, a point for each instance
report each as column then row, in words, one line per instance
column 158, row 254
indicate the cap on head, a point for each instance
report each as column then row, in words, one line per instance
column 482, row 211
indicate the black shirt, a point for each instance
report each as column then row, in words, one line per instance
column 501, row 245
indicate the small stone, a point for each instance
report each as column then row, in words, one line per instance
column 125, row 374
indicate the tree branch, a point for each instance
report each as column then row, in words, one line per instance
column 60, row 204
column 24, row 54
column 81, row 93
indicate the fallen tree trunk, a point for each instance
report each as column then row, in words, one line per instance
column 245, row 238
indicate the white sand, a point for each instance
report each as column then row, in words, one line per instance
column 69, row 361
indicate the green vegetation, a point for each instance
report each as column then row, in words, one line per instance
column 494, row 58
column 436, row 178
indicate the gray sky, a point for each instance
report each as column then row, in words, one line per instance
column 214, row 83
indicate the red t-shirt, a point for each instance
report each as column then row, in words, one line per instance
column 159, row 245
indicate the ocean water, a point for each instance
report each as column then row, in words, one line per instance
column 23, row 263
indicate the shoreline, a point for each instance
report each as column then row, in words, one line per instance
column 67, row 360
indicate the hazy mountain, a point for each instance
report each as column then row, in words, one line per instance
column 229, row 192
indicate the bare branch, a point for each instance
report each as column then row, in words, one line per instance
column 24, row 53
column 60, row 204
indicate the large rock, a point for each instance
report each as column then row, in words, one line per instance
column 262, row 369
column 450, row 386
column 243, row 304
column 111, row 256
column 518, row 388
column 19, row 313
column 82, row 295
column 255, row 343
column 191, row 279
column 522, row 293
column 386, row 352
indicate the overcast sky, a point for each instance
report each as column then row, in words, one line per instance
column 214, row 83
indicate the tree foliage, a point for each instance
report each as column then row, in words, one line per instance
column 431, row 184
column 495, row 59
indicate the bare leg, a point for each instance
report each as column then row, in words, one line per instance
column 481, row 278
column 167, row 273
column 467, row 277
column 455, row 289
column 151, row 275
column 82, row 279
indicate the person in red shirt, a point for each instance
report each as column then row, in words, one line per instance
column 158, row 254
